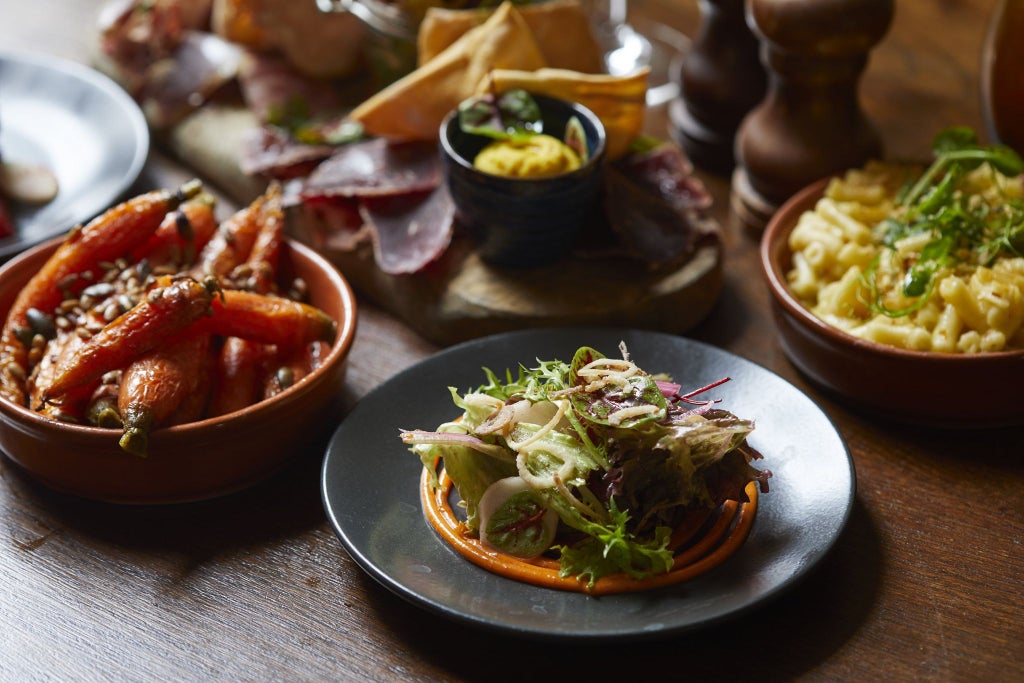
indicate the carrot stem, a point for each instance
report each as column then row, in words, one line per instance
column 156, row 384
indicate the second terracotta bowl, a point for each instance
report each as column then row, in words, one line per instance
column 924, row 387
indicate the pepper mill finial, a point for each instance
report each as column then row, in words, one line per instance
column 810, row 123
column 721, row 79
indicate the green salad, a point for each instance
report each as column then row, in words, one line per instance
column 594, row 462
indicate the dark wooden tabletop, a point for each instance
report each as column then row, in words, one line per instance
column 925, row 583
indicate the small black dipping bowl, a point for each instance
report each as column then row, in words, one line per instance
column 523, row 222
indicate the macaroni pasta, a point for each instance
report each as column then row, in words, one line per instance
column 844, row 274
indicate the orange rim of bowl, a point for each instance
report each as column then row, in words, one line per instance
column 771, row 244
column 706, row 541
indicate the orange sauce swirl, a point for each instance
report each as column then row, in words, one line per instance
column 721, row 538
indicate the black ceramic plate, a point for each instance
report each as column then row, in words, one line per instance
column 370, row 489
column 79, row 124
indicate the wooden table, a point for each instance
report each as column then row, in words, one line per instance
column 924, row 584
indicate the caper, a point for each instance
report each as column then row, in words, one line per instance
column 285, row 377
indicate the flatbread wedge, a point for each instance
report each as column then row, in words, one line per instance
column 413, row 107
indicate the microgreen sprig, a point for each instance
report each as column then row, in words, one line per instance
column 293, row 116
column 960, row 227
column 956, row 149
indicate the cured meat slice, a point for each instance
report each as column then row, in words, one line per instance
column 332, row 224
column 391, row 192
column 274, row 90
column 655, row 206
column 177, row 85
column 376, row 168
column 271, row 151
column 409, row 231
column 667, row 172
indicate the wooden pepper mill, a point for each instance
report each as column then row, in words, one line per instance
column 810, row 123
column 720, row 79
column 1002, row 86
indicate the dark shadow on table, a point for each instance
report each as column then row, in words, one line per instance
column 285, row 504
column 788, row 635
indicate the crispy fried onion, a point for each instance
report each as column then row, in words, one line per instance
column 419, row 436
column 548, row 480
column 615, row 418
column 527, row 446
column 605, row 373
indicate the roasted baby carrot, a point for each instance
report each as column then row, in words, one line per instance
column 71, row 407
column 231, row 242
column 107, row 237
column 239, row 373
column 157, row 384
column 265, row 255
column 195, row 405
column 268, row 319
column 170, row 307
column 241, row 366
column 182, row 235
column 193, row 408
column 293, row 367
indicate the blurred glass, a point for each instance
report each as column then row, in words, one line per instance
column 1002, row 76
column 628, row 44
column 631, row 43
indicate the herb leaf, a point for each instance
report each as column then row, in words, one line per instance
column 960, row 229
column 515, row 115
column 511, row 115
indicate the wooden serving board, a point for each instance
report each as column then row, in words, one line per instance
column 461, row 297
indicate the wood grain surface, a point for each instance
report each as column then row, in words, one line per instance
column 924, row 584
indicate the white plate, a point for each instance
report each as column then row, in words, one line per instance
column 370, row 488
column 78, row 123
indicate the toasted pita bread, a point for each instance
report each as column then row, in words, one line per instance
column 560, row 27
column 413, row 107
column 619, row 101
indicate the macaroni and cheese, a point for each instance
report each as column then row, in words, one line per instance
column 848, row 273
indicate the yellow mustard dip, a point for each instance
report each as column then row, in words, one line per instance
column 538, row 156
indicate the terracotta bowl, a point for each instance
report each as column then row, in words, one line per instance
column 524, row 222
column 923, row 387
column 187, row 462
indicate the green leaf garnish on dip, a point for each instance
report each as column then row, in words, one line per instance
column 521, row 148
